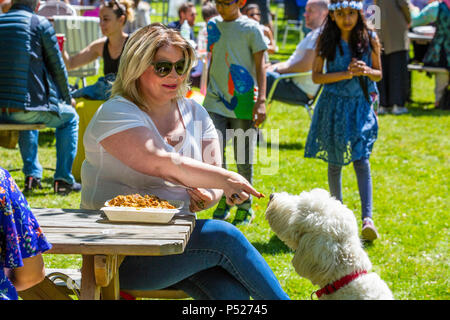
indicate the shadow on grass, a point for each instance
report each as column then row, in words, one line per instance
column 275, row 245
column 47, row 137
column 286, row 145
column 422, row 108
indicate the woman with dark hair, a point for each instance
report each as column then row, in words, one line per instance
column 344, row 125
column 113, row 17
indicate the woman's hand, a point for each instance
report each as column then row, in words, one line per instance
column 201, row 199
column 239, row 189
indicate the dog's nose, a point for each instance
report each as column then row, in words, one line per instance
column 271, row 196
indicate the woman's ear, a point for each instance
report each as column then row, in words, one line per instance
column 122, row 19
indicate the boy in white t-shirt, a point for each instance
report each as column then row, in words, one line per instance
column 300, row 89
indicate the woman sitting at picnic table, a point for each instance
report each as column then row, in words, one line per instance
column 21, row 241
column 149, row 139
column 113, row 17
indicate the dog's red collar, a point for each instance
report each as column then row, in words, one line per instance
column 335, row 286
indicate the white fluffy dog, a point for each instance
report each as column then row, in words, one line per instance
column 324, row 235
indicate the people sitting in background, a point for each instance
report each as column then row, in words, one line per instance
column 252, row 11
column 186, row 12
column 300, row 89
column 21, row 241
column 35, row 89
column 438, row 53
column 113, row 17
column 141, row 16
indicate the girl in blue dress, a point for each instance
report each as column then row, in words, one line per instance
column 344, row 126
column 21, row 241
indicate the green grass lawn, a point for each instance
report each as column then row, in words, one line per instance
column 409, row 164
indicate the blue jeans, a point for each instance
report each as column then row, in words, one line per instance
column 66, row 140
column 362, row 170
column 218, row 263
column 286, row 90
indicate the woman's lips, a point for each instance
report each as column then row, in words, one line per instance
column 170, row 86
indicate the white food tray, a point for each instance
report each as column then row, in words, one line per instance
column 145, row 215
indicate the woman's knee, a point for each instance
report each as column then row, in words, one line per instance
column 216, row 234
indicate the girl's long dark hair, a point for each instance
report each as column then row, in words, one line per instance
column 330, row 38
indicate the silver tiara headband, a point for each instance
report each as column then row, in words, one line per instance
column 345, row 4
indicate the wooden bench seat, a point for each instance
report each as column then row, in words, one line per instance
column 21, row 126
column 68, row 282
column 9, row 133
column 422, row 68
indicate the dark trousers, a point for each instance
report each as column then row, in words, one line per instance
column 394, row 85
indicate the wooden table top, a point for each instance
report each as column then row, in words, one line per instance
column 87, row 232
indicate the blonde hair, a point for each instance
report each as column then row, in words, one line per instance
column 138, row 55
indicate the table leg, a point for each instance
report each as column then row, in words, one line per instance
column 107, row 275
column 89, row 288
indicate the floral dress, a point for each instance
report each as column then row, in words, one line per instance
column 344, row 126
column 20, row 234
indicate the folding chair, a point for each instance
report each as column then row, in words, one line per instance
column 308, row 106
column 79, row 32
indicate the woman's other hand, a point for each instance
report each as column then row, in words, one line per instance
column 201, row 199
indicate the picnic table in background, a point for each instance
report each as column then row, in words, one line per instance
column 422, row 35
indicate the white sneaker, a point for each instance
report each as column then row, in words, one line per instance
column 383, row 110
column 399, row 110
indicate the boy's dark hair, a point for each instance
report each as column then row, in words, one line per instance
column 209, row 10
column 184, row 7
column 330, row 38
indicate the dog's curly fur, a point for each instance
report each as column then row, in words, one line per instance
column 324, row 235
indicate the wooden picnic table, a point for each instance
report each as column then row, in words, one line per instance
column 104, row 244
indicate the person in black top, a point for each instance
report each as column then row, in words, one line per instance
column 113, row 17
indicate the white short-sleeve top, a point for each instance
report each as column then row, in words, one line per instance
column 104, row 176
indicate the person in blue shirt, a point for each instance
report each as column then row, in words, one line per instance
column 21, row 241
column 35, row 89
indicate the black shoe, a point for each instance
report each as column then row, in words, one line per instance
column 32, row 183
column 64, row 188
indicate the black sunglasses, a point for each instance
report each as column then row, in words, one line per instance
column 163, row 68
column 111, row 3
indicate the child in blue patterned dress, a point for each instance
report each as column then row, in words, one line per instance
column 344, row 125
